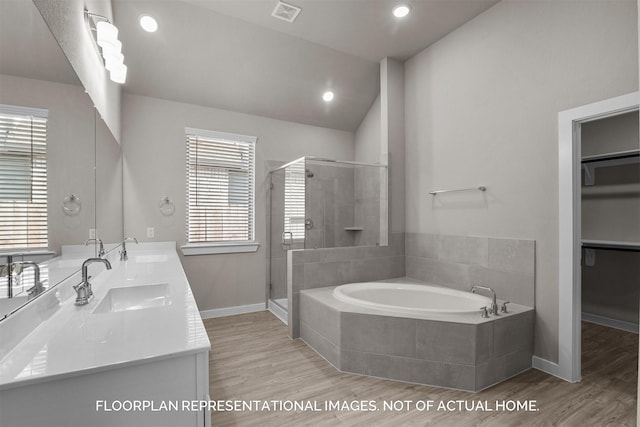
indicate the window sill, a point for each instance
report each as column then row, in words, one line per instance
column 218, row 248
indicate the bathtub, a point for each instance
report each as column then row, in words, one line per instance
column 406, row 298
column 417, row 332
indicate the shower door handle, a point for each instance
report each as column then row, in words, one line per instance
column 284, row 238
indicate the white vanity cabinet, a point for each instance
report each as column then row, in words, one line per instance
column 136, row 355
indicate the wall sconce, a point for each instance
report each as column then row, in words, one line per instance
column 105, row 35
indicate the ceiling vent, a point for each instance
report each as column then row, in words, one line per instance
column 286, row 12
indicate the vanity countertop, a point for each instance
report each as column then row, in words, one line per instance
column 116, row 328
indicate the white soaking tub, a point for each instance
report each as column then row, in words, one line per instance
column 406, row 298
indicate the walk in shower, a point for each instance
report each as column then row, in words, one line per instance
column 322, row 203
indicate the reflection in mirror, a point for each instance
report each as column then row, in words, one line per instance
column 109, row 223
column 35, row 73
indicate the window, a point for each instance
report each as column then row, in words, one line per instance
column 220, row 192
column 23, row 177
column 294, row 201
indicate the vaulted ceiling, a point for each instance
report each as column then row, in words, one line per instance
column 232, row 54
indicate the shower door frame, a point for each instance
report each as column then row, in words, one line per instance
column 384, row 217
column 569, row 365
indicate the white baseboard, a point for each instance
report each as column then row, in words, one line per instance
column 612, row 323
column 279, row 312
column 544, row 365
column 230, row 311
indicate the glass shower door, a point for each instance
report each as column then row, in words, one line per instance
column 287, row 226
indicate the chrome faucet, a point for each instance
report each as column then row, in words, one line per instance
column 37, row 287
column 101, row 250
column 83, row 290
column 494, row 306
column 9, row 270
column 123, row 252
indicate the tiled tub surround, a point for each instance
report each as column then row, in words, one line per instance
column 319, row 268
column 459, row 262
column 462, row 351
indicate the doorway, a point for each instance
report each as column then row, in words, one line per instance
column 570, row 226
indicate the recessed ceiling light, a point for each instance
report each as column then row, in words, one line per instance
column 401, row 10
column 328, row 96
column 148, row 24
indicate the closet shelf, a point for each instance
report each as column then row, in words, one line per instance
column 618, row 158
column 618, row 155
column 612, row 245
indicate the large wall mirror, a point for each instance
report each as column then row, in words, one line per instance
column 83, row 159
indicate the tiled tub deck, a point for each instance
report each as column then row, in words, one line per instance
column 464, row 351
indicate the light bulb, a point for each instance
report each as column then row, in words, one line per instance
column 401, row 10
column 113, row 61
column 119, row 74
column 148, row 24
column 328, row 96
column 107, row 33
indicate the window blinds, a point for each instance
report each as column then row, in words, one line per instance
column 294, row 200
column 220, row 187
column 23, row 177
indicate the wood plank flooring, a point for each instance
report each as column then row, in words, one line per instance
column 252, row 359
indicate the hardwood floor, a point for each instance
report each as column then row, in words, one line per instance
column 252, row 359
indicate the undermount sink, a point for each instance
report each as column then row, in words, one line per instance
column 134, row 298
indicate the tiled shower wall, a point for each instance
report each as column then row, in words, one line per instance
column 329, row 203
column 337, row 197
column 367, row 205
column 320, row 268
column 459, row 262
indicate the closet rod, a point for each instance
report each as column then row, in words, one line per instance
column 611, row 245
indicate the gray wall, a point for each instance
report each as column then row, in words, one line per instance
column 154, row 167
column 611, row 211
column 367, row 140
column 481, row 108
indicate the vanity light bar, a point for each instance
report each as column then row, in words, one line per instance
column 106, row 37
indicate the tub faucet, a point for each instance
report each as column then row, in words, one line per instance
column 37, row 287
column 123, row 252
column 83, row 290
column 101, row 251
column 494, row 306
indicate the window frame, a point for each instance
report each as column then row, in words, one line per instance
column 224, row 246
